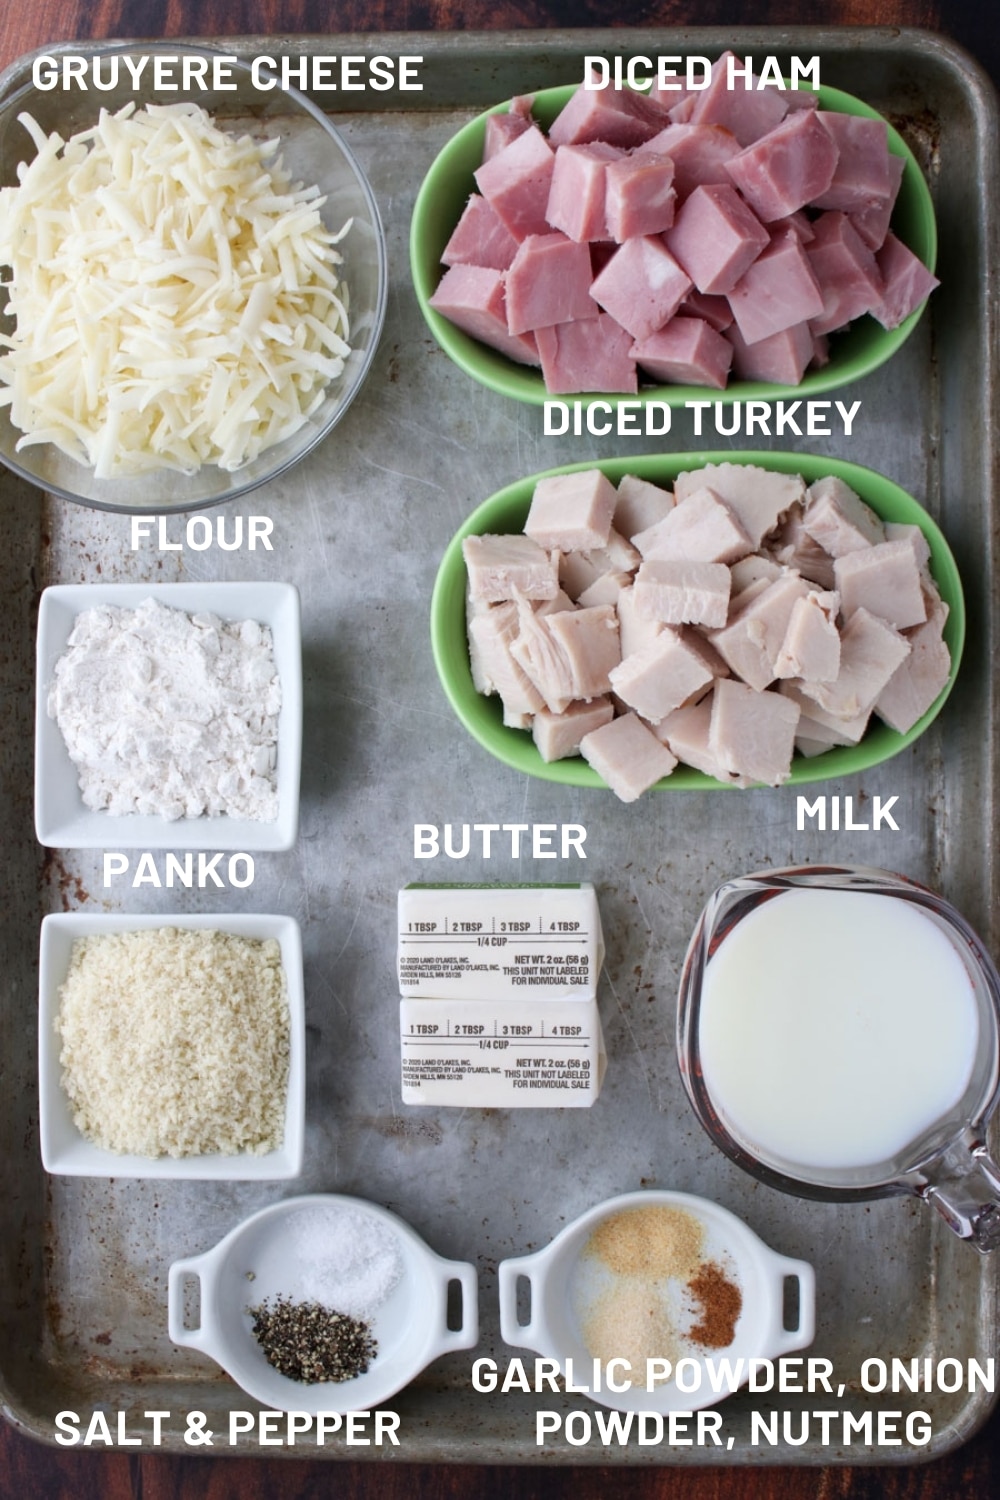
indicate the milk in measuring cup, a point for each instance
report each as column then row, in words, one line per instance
column 835, row 1028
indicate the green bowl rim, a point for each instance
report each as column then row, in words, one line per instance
column 481, row 716
column 524, row 383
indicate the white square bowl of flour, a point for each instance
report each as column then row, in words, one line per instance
column 168, row 716
column 171, row 1033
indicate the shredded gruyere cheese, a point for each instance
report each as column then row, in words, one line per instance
column 175, row 294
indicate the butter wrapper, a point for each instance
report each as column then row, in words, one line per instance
column 468, row 942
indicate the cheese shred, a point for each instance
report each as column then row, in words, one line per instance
column 175, row 297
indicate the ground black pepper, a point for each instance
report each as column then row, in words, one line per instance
column 312, row 1343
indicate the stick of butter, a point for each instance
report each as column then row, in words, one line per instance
column 474, row 942
column 499, row 986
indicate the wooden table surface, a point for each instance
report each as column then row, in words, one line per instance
column 37, row 1472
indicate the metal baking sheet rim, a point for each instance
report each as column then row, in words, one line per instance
column 562, row 49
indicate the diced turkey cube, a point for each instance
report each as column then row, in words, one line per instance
column 605, row 590
column 782, row 359
column 686, row 733
column 641, row 286
column 472, row 297
column 634, row 631
column 494, row 669
column 870, row 651
column 897, row 531
column 683, row 593
column 699, row 154
column 628, row 756
column 553, row 606
column 838, row 519
column 756, row 631
column 480, row 239
column 752, row 735
column 884, row 579
column 592, row 354
column 716, row 238
column 502, row 567
column 558, row 735
column 862, row 176
column 791, row 546
column 548, row 282
column 621, row 117
column 542, row 659
column 846, row 271
column 753, row 569
column 572, row 512
column 661, row 677
column 779, row 290
column 787, row 168
column 640, row 196
column 818, row 724
column 811, row 648
column 640, row 505
column 579, row 185
column 588, row 639
column 918, row 680
column 517, row 180
column 759, row 497
column 702, row 527
column 687, row 351
column 906, row 283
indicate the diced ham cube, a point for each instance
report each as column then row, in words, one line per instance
column 628, row 756
column 641, row 286
column 558, row 735
column 846, row 271
column 699, row 154
column 579, row 186
column 872, row 223
column 714, row 310
column 752, row 735
column 759, row 497
column 716, row 238
column 838, row 519
column 683, row 592
column 640, row 197
column 480, row 239
column 661, row 677
column 621, row 117
column 548, row 282
column 640, row 505
column 787, row 168
column 702, row 528
column 863, row 176
column 779, row 290
column 500, row 131
column 516, row 183
column 755, row 634
column 572, row 512
column 870, row 652
column 783, row 358
column 687, row 351
column 811, row 648
column 884, row 579
column 747, row 111
column 589, row 354
column 906, row 283
column 918, row 680
column 502, row 567
column 472, row 297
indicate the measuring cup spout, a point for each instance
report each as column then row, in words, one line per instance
column 966, row 1193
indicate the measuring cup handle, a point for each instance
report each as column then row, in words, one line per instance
column 782, row 1338
column 192, row 1338
column 512, row 1331
column 967, row 1196
column 466, row 1336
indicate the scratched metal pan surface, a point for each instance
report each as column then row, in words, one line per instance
column 360, row 527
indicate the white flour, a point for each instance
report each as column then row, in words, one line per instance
column 170, row 714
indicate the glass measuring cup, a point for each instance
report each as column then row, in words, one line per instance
column 947, row 1163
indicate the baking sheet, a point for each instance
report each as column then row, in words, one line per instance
column 360, row 527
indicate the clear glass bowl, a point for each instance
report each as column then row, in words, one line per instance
column 313, row 152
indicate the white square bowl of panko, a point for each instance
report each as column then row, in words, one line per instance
column 168, row 716
column 171, row 1046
